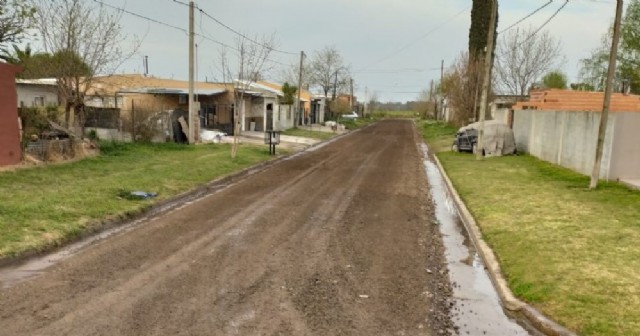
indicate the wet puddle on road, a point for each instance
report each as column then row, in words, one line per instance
column 477, row 309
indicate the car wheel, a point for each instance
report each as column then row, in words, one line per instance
column 455, row 148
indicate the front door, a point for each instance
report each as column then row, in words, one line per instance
column 269, row 117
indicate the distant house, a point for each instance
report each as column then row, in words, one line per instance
column 561, row 126
column 37, row 92
column 10, row 150
column 122, row 101
column 268, row 112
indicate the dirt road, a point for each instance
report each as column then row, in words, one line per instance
column 338, row 241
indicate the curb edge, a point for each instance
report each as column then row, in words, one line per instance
column 509, row 301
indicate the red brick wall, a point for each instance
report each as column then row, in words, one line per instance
column 579, row 101
column 10, row 152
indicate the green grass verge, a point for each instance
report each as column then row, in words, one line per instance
column 394, row 114
column 45, row 206
column 308, row 132
column 438, row 135
column 571, row 252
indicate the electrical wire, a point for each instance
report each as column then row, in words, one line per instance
column 142, row 16
column 527, row 16
column 204, row 37
column 395, row 71
column 566, row 2
column 203, row 12
column 447, row 21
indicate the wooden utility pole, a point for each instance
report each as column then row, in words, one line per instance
column 486, row 84
column 442, row 98
column 365, row 111
column 297, row 104
column 351, row 97
column 604, row 118
column 192, row 117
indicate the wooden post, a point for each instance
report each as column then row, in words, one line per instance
column 602, row 131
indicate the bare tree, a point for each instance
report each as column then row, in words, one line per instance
column 16, row 17
column 85, row 36
column 522, row 57
column 327, row 69
column 252, row 60
column 460, row 87
column 290, row 74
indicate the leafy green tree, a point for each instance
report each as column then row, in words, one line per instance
column 16, row 56
column 555, row 80
column 593, row 69
column 582, row 87
column 479, row 30
column 16, row 17
column 289, row 98
column 289, row 92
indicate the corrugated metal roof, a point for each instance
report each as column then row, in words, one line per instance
column 41, row 81
column 202, row 92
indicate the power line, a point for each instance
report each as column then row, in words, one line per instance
column 527, row 16
column 202, row 11
column 394, row 71
column 142, row 16
column 566, row 2
column 205, row 37
column 417, row 39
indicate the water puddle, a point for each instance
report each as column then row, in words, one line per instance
column 477, row 309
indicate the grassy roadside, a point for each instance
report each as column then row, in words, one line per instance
column 570, row 252
column 303, row 131
column 43, row 207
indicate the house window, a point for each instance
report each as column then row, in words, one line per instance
column 182, row 99
column 38, row 101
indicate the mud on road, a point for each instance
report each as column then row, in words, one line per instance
column 338, row 241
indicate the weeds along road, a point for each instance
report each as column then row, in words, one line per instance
column 338, row 241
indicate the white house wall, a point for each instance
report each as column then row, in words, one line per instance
column 27, row 94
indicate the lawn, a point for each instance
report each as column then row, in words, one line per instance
column 46, row 206
column 308, row 132
column 570, row 252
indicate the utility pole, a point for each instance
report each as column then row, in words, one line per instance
column 604, row 118
column 192, row 122
column 442, row 98
column 432, row 98
column 366, row 102
column 297, row 104
column 486, row 85
column 335, row 84
column 351, row 97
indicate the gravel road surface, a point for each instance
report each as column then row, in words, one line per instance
column 340, row 240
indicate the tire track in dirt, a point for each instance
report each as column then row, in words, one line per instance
column 287, row 251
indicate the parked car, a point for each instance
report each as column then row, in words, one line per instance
column 352, row 115
column 465, row 141
column 498, row 139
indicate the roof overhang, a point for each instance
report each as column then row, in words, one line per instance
column 173, row 91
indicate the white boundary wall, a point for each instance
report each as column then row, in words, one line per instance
column 567, row 139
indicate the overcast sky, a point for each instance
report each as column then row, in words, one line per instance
column 394, row 47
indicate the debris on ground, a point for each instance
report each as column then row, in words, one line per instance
column 136, row 195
